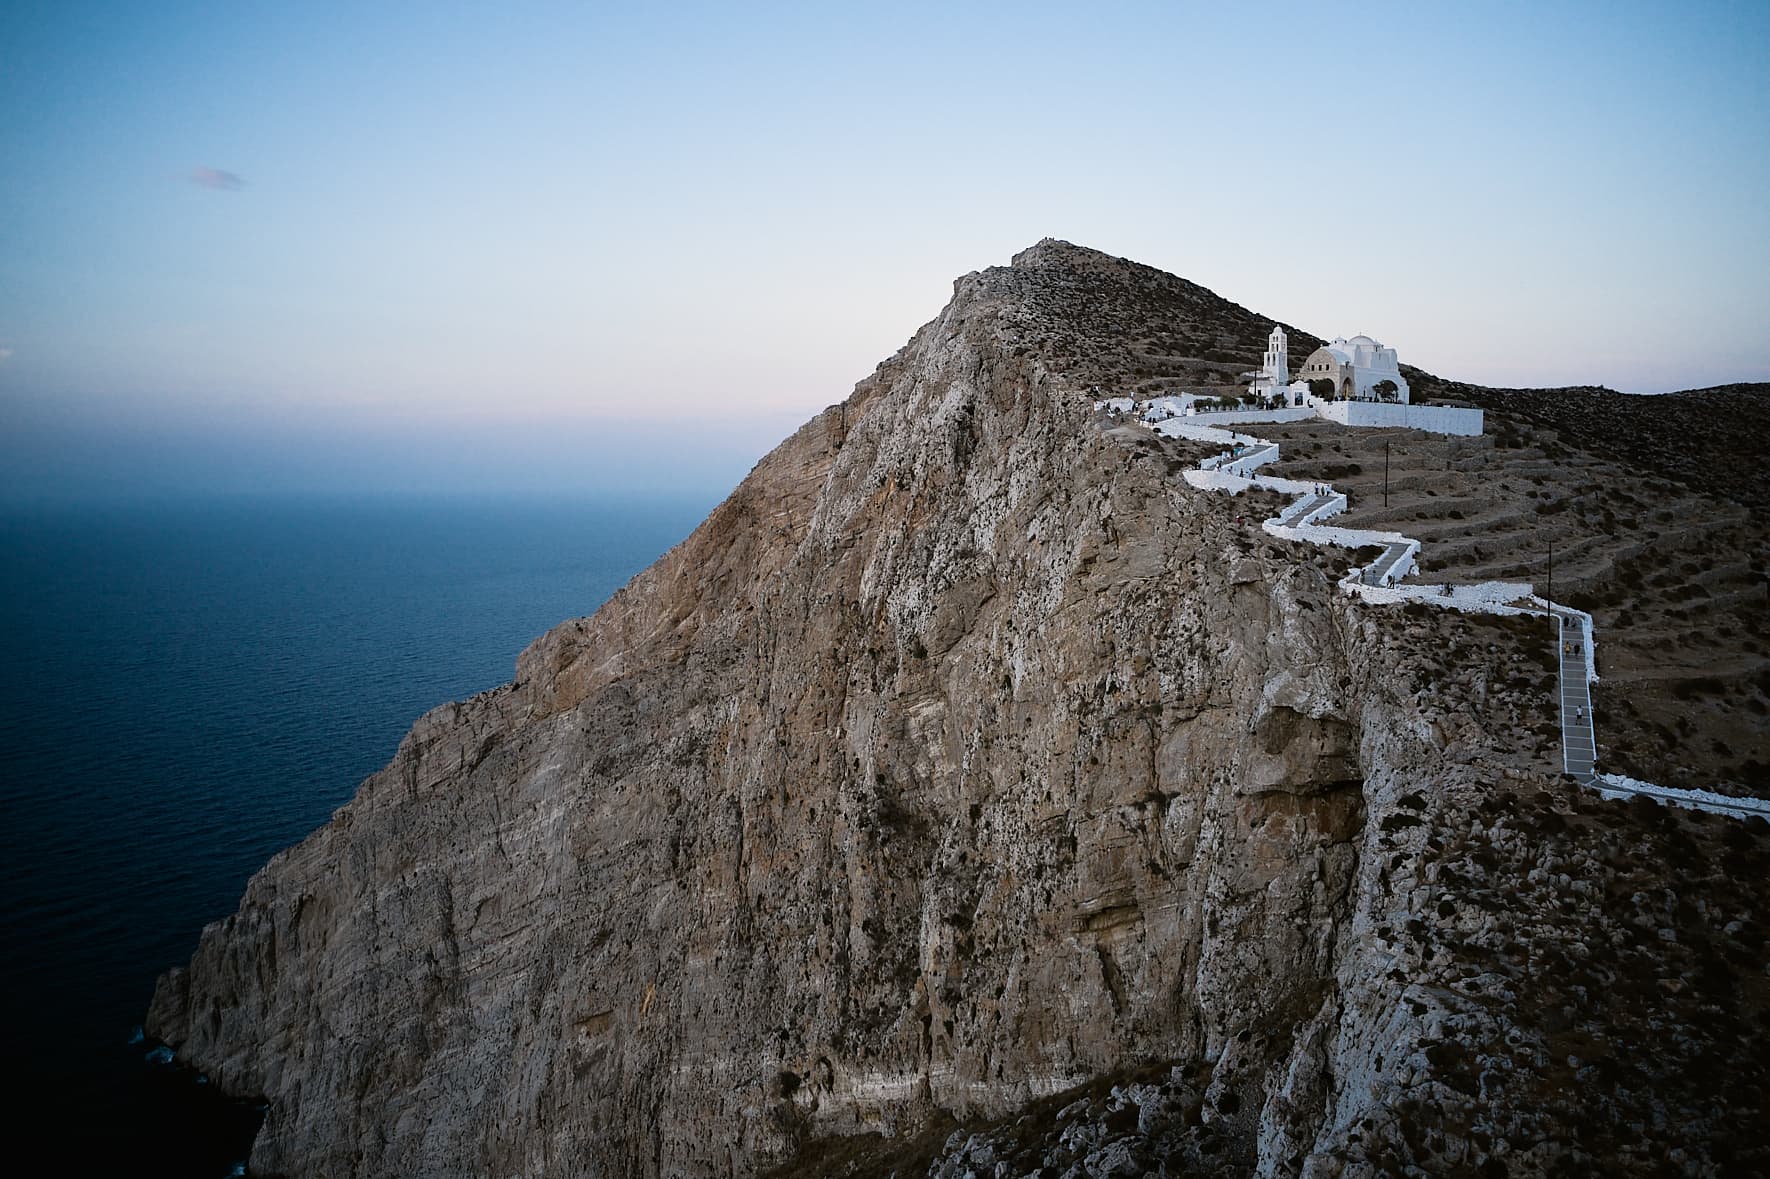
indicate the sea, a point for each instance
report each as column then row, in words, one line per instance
column 191, row 686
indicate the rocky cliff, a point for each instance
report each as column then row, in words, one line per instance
column 962, row 759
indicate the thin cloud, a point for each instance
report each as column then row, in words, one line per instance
column 217, row 179
column 4, row 353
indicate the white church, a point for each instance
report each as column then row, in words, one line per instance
column 1359, row 369
column 1360, row 384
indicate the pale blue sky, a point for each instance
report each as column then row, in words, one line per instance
column 504, row 246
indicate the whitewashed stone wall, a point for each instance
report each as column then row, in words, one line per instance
column 1438, row 419
column 1230, row 417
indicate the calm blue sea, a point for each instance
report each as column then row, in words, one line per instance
column 189, row 688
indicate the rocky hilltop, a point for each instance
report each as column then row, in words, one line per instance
column 967, row 792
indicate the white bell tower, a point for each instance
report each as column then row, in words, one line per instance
column 1275, row 370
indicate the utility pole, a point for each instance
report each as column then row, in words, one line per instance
column 1551, row 594
column 1385, row 472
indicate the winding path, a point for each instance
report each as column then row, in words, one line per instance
column 1233, row 470
column 1579, row 742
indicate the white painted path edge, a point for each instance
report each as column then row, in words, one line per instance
column 1233, row 471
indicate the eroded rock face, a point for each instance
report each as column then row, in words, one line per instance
column 963, row 755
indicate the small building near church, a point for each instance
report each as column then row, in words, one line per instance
column 1360, row 369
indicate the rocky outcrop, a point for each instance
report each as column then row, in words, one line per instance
column 963, row 756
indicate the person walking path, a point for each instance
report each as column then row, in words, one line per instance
column 1378, row 570
column 1579, row 743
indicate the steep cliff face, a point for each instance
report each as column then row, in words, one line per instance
column 962, row 756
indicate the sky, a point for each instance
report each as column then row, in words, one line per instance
column 543, row 247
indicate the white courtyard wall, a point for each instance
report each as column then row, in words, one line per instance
column 1435, row 419
column 1231, row 417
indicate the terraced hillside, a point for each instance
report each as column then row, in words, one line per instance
column 1674, row 576
column 1655, row 507
column 1713, row 440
